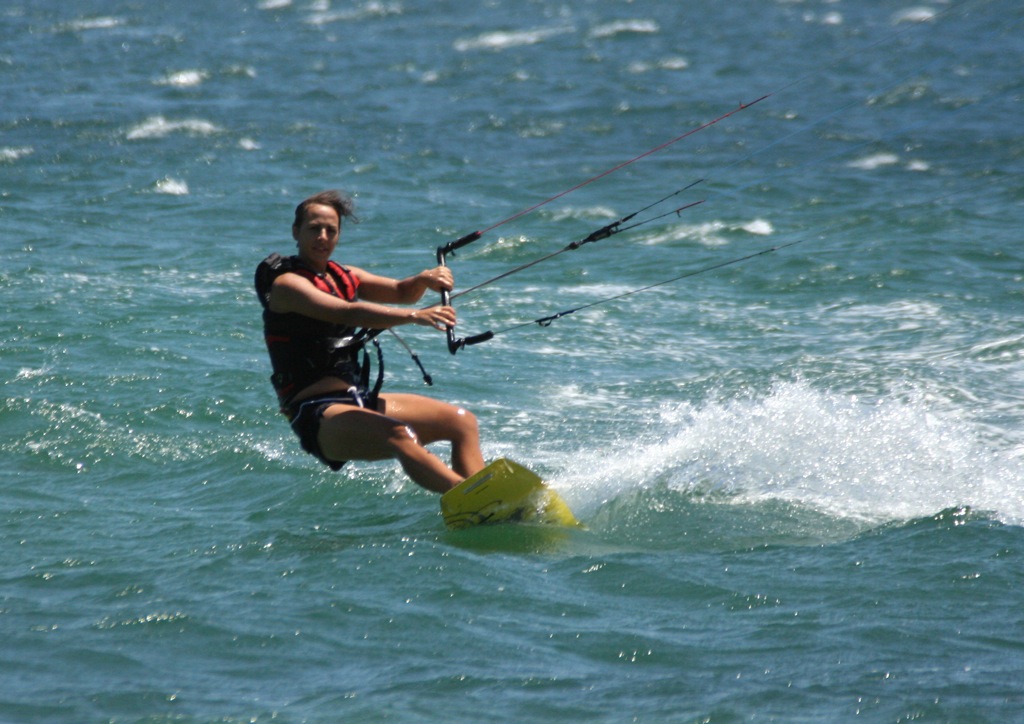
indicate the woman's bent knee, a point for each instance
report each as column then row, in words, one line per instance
column 464, row 421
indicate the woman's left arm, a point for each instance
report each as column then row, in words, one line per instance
column 410, row 290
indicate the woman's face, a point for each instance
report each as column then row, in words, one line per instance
column 317, row 235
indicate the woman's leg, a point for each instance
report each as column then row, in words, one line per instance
column 352, row 433
column 399, row 431
column 433, row 421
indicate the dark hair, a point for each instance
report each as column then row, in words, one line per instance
column 338, row 201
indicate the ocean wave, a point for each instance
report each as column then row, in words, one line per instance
column 914, row 15
column 367, row 10
column 85, row 24
column 875, row 161
column 829, row 18
column 14, row 154
column 151, row 619
column 870, row 461
column 172, row 187
column 502, row 40
column 622, row 27
column 184, row 78
column 671, row 63
column 160, row 127
column 596, row 213
column 710, row 233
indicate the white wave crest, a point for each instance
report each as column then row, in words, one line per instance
column 13, row 154
column 160, row 127
column 172, row 187
column 914, row 15
column 620, row 27
column 871, row 460
column 710, row 233
column 586, row 213
column 184, row 78
column 84, row 24
column 875, row 161
column 500, row 40
column 323, row 16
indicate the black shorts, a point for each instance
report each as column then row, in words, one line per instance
column 305, row 420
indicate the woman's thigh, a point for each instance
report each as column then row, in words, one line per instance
column 353, row 433
column 431, row 419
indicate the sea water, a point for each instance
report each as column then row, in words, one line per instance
column 800, row 474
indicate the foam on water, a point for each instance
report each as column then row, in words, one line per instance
column 184, row 78
column 868, row 460
column 709, row 233
column 502, row 40
column 875, row 161
column 914, row 15
column 323, row 15
column 97, row 23
column 172, row 186
column 14, row 154
column 621, row 27
column 160, row 127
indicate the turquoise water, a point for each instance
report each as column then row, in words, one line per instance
column 800, row 474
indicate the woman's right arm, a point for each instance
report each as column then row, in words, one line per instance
column 292, row 293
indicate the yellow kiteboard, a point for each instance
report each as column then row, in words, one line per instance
column 504, row 492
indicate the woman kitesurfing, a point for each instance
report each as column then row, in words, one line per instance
column 318, row 316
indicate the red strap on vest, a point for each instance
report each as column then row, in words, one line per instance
column 329, row 282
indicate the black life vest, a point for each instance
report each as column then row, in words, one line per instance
column 302, row 349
